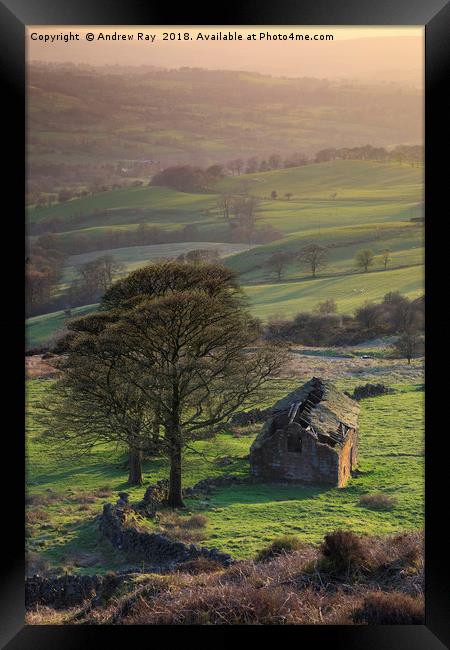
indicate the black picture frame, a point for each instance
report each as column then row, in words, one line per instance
column 15, row 15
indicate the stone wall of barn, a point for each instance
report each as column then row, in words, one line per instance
column 280, row 458
column 348, row 458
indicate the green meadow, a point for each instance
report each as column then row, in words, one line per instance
column 285, row 299
column 41, row 329
column 69, row 492
column 344, row 205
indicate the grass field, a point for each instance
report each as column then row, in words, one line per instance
column 132, row 257
column 372, row 209
column 41, row 329
column 241, row 519
column 286, row 299
column 282, row 299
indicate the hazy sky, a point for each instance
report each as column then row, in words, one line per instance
column 372, row 53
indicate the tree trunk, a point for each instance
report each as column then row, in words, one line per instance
column 135, row 471
column 175, row 498
column 156, row 429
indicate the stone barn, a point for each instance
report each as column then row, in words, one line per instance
column 311, row 436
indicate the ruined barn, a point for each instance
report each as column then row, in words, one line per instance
column 311, row 436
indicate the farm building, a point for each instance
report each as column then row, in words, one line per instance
column 311, row 436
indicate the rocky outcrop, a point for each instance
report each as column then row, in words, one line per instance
column 370, row 390
column 158, row 551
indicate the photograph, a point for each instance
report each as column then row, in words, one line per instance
column 225, row 325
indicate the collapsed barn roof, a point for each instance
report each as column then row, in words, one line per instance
column 319, row 408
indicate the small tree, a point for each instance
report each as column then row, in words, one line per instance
column 409, row 345
column 328, row 306
column 313, row 257
column 386, row 257
column 224, row 204
column 278, row 263
column 289, row 195
column 244, row 216
column 370, row 316
column 364, row 259
column 274, row 194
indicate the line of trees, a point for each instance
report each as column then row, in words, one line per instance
column 395, row 315
column 104, row 178
column 186, row 177
column 244, row 230
column 314, row 257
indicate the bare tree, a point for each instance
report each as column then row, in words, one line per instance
column 409, row 345
column 278, row 263
column 252, row 165
column 274, row 161
column 175, row 343
column 245, row 215
column 224, row 203
column 386, row 257
column 189, row 354
column 236, row 166
column 313, row 257
column 364, row 259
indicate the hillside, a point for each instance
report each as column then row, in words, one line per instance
column 243, row 518
column 344, row 206
column 81, row 118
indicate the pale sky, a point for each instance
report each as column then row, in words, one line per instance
column 383, row 53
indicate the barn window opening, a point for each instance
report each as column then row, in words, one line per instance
column 295, row 443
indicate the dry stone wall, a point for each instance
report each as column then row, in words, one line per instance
column 61, row 592
column 153, row 548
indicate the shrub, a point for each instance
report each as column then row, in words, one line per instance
column 343, row 552
column 409, row 549
column 199, row 565
column 279, row 546
column 220, row 605
column 36, row 516
column 104, row 491
column 85, row 498
column 41, row 499
column 196, row 521
column 390, row 609
column 377, row 501
column 184, row 529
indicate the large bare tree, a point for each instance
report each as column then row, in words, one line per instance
column 190, row 354
column 174, row 342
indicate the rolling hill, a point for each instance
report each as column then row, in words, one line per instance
column 343, row 205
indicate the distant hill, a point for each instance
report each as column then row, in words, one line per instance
column 80, row 120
